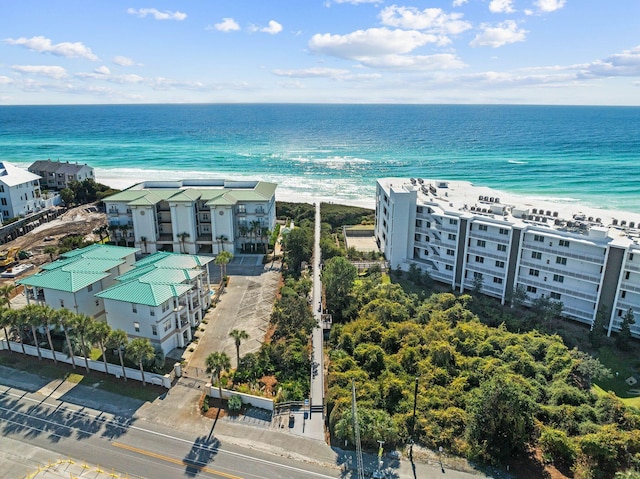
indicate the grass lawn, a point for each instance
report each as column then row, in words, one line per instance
column 47, row 368
column 622, row 366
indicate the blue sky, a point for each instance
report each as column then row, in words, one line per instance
column 320, row 51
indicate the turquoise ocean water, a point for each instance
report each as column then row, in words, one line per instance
column 336, row 152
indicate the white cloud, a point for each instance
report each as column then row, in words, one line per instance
column 227, row 25
column 273, row 28
column 157, row 14
column 42, row 44
column 499, row 35
column 331, row 73
column 103, row 70
column 443, row 61
column 626, row 63
column 353, row 2
column 501, row 6
column 370, row 43
column 43, row 70
column 123, row 61
column 549, row 5
column 430, row 19
column 5, row 80
column 459, row 3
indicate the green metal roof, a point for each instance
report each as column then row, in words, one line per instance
column 186, row 261
column 150, row 294
column 61, row 280
column 169, row 275
column 223, row 200
column 126, row 195
column 150, row 198
column 101, row 251
column 93, row 265
column 58, row 263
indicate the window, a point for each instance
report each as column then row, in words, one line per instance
column 499, row 264
column 630, row 256
column 134, row 308
column 481, row 243
column 532, row 289
column 136, row 327
column 558, row 278
column 416, row 237
column 4, row 201
column 418, row 209
column 97, row 302
column 564, row 243
column 418, row 223
column 450, row 252
column 504, row 231
column 1, row 188
column 497, row 280
column 626, row 275
column 154, row 329
column 89, row 288
column 152, row 312
column 477, row 275
column 62, row 303
column 482, row 227
column 165, row 306
column 448, row 267
column 453, row 222
column 502, row 247
column 555, row 295
column 534, row 272
column 241, row 209
column 538, row 238
column 167, row 326
column 536, row 255
column 623, row 294
column 561, row 260
column 452, row 236
column 479, row 259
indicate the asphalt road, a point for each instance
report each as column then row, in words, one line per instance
column 118, row 443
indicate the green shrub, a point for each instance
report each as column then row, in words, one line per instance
column 557, row 445
column 235, row 403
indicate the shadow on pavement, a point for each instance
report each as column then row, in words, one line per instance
column 202, row 453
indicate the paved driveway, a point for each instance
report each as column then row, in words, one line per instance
column 245, row 304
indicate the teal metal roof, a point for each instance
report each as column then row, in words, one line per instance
column 93, row 265
column 150, row 294
column 101, row 251
column 58, row 263
column 169, row 275
column 186, row 261
column 61, row 280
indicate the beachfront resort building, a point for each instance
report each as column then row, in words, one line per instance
column 469, row 236
column 19, row 191
column 160, row 297
column 57, row 175
column 194, row 216
column 72, row 281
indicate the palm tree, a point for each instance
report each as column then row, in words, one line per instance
column 101, row 231
column 238, row 335
column 265, row 235
column 243, row 233
column 216, row 363
column 183, row 237
column 5, row 293
column 5, row 321
column 48, row 315
column 221, row 239
column 32, row 316
column 140, row 350
column 99, row 333
column 118, row 339
column 223, row 260
column 17, row 321
column 64, row 318
column 124, row 229
column 51, row 251
column 255, row 230
column 83, row 325
column 114, row 229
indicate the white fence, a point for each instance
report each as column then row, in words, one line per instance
column 113, row 369
column 256, row 401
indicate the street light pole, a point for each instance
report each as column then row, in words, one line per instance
column 413, row 420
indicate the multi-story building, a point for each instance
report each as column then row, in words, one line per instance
column 72, row 281
column 57, row 175
column 161, row 298
column 469, row 236
column 195, row 216
column 19, row 191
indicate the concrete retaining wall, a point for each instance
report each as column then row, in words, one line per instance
column 113, row 369
column 256, row 401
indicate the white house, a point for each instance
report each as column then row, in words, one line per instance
column 19, row 191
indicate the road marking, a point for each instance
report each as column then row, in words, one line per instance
column 180, row 462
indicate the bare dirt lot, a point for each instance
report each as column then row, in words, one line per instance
column 81, row 220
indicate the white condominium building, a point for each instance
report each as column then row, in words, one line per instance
column 459, row 233
column 194, row 216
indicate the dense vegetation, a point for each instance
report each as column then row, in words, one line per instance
column 85, row 191
column 483, row 392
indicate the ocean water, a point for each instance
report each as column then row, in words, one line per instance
column 335, row 152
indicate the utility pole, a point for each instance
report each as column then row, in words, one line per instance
column 413, row 420
column 356, row 431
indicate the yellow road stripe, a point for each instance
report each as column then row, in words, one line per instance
column 180, row 462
